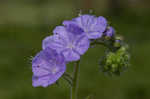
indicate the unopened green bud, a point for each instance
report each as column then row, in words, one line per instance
column 117, row 43
column 119, row 37
column 115, row 62
column 107, row 37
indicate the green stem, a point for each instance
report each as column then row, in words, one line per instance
column 98, row 43
column 75, row 80
column 107, row 44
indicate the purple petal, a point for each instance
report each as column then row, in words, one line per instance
column 94, row 35
column 68, row 32
column 59, row 29
column 110, row 32
column 85, row 21
column 55, row 42
column 68, row 22
column 82, row 44
column 46, row 80
column 40, row 81
column 62, row 32
column 70, row 55
column 47, row 67
column 40, row 64
column 74, row 29
column 49, row 79
column 101, row 24
column 90, row 24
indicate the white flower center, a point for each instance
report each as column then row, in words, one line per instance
column 55, row 70
column 70, row 46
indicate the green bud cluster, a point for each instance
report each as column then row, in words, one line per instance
column 114, row 63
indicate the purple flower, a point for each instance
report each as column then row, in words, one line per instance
column 92, row 26
column 47, row 67
column 109, row 32
column 71, row 41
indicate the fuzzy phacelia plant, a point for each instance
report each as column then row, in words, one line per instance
column 69, row 42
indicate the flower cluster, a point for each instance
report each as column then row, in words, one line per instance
column 67, row 44
column 115, row 62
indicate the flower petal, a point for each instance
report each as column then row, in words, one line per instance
column 40, row 64
column 110, row 32
column 40, row 81
column 94, row 35
column 62, row 32
column 70, row 55
column 91, row 24
column 85, row 21
column 68, row 22
column 74, row 29
column 46, row 80
column 47, row 67
column 82, row 44
column 101, row 24
column 54, row 42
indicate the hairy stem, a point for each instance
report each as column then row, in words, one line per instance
column 75, row 80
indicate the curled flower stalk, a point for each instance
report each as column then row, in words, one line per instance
column 72, row 40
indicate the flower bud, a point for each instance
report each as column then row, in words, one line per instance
column 115, row 62
column 109, row 33
column 117, row 43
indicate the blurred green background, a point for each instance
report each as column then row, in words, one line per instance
column 25, row 23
